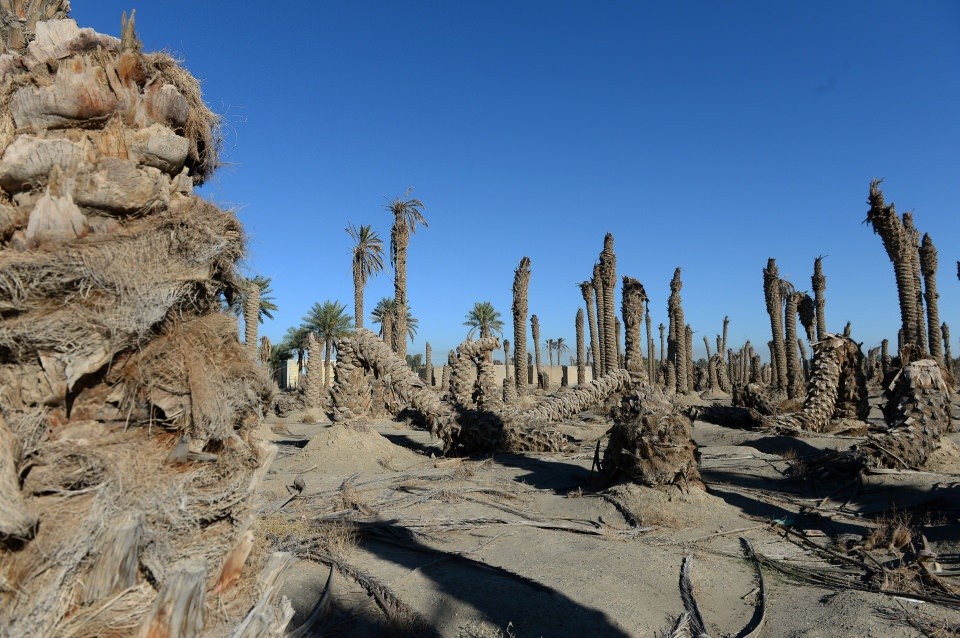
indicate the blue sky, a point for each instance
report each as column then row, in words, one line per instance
column 705, row 135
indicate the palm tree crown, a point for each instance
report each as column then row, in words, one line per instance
column 367, row 261
column 367, row 251
column 407, row 213
column 387, row 306
column 485, row 318
column 267, row 306
column 328, row 321
column 560, row 345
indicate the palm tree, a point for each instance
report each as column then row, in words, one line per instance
column 367, row 261
column 485, row 319
column 561, row 347
column 407, row 214
column 295, row 340
column 550, row 344
column 266, row 308
column 385, row 312
column 328, row 322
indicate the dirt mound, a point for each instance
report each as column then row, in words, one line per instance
column 347, row 449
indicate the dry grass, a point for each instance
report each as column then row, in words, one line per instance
column 894, row 531
column 577, row 493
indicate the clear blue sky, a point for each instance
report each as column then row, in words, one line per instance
column 706, row 135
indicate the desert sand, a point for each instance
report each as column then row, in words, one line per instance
column 530, row 545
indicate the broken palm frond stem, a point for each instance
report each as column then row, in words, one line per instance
column 690, row 624
column 398, row 613
column 832, row 356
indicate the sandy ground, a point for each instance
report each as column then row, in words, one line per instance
column 525, row 546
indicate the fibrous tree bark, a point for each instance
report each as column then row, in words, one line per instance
column 633, row 298
column 521, row 282
column 901, row 248
column 586, row 288
column 535, row 332
column 314, row 382
column 917, row 412
column 581, row 350
column 113, row 275
column 774, row 301
column 677, row 336
column 794, row 369
column 608, row 274
column 819, row 283
column 832, row 355
column 601, row 353
column 928, row 267
column 251, row 317
column 651, row 355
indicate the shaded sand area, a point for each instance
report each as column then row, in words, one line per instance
column 511, row 545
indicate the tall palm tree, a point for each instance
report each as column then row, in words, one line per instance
column 266, row 306
column 551, row 345
column 560, row 345
column 328, row 321
column 367, row 261
column 407, row 213
column 485, row 319
column 385, row 312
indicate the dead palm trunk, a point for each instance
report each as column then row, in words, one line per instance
column 688, row 348
column 506, row 359
column 521, row 281
column 535, row 332
column 900, row 248
column 677, row 353
column 917, row 412
column 428, row 365
column 819, row 289
column 774, row 301
column 664, row 357
column 723, row 344
column 794, row 370
column 586, row 288
column 651, row 355
column 928, row 267
column 633, row 297
column 600, row 355
column 581, row 350
column 608, row 274
column 712, row 382
column 837, row 386
column 945, row 331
